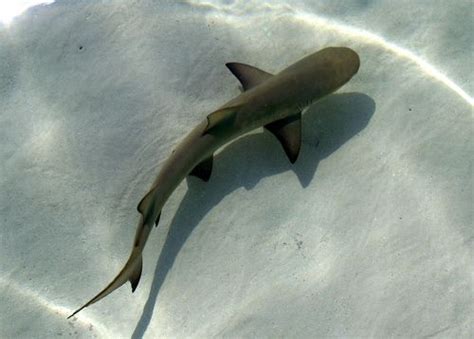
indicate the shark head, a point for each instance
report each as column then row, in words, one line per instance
column 342, row 62
column 321, row 73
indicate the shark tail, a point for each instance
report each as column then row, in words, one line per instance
column 130, row 272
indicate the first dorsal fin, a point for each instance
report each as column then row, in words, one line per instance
column 288, row 132
column 248, row 76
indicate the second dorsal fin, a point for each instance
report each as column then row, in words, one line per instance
column 248, row 76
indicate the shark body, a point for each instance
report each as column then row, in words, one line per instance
column 273, row 101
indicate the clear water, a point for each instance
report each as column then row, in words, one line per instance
column 368, row 234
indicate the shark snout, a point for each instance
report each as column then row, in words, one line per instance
column 348, row 62
column 353, row 60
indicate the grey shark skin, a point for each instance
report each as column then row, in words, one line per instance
column 272, row 101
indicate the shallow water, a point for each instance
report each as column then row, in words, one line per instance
column 368, row 234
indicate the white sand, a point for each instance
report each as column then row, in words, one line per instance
column 369, row 234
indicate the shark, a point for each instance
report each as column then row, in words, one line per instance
column 273, row 101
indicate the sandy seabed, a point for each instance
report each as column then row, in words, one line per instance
column 368, row 234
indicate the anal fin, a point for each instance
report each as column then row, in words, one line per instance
column 136, row 274
column 203, row 170
column 288, row 132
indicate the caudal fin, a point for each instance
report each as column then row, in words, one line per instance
column 130, row 272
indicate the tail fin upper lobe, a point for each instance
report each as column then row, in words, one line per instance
column 130, row 272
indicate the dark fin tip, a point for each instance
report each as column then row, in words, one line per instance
column 249, row 76
column 136, row 274
column 157, row 220
column 293, row 158
column 203, row 170
column 288, row 132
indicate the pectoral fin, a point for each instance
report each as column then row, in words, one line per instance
column 203, row 169
column 220, row 119
column 248, row 76
column 288, row 132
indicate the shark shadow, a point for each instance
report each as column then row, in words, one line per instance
column 333, row 120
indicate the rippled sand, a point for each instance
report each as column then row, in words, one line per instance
column 369, row 234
